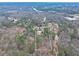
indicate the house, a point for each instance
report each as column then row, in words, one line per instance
column 13, row 19
column 53, row 27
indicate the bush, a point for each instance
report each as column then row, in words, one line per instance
column 20, row 38
column 74, row 34
column 20, row 41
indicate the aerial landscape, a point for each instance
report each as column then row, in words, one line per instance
column 39, row 29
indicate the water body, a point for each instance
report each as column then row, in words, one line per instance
column 39, row 3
